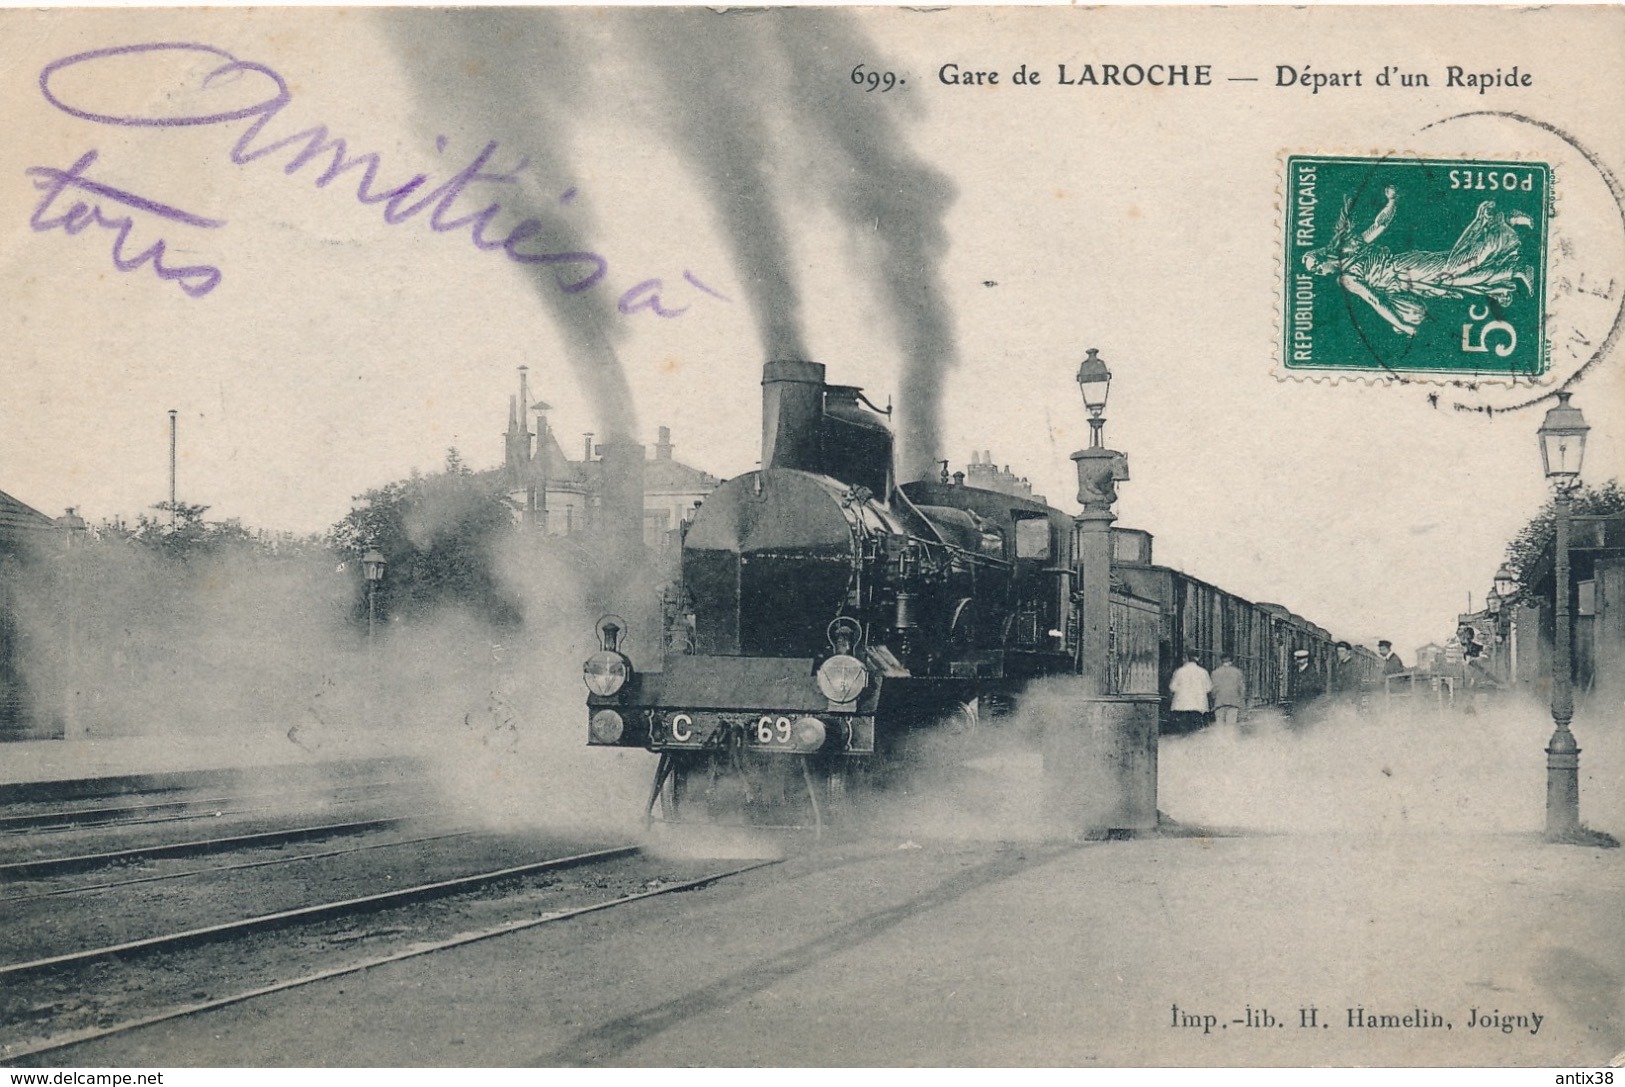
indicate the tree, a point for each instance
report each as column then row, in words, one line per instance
column 181, row 533
column 437, row 535
column 1536, row 536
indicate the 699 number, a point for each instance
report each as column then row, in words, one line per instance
column 871, row 80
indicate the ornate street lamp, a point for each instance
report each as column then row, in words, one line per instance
column 1099, row 472
column 1094, row 381
column 1562, row 450
column 372, row 568
column 1506, row 582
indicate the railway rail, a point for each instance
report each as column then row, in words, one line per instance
column 240, row 866
column 10, row 974
column 51, row 866
column 180, row 810
column 319, row 911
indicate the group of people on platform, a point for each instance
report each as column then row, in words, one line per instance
column 1196, row 692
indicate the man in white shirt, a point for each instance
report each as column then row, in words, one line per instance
column 1191, row 687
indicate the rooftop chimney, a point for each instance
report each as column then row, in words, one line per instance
column 663, row 446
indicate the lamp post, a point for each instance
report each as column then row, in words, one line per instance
column 1099, row 471
column 372, row 568
column 1492, row 605
column 73, row 533
column 1506, row 585
column 1100, row 757
column 1562, row 449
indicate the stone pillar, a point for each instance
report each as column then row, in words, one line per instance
column 1100, row 764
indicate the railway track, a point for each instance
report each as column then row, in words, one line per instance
column 320, row 911
column 240, row 866
column 179, row 810
column 53, row 866
column 43, row 969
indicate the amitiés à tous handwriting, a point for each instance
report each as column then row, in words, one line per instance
column 522, row 242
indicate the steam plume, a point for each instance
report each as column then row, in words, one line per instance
column 883, row 191
column 713, row 69
column 735, row 81
column 518, row 77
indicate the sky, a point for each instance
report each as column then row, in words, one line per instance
column 953, row 248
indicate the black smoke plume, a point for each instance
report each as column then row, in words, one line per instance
column 889, row 198
column 749, row 99
column 520, row 78
column 713, row 69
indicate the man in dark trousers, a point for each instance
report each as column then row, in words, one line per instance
column 1304, row 686
column 1346, row 675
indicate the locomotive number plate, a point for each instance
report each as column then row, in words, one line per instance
column 689, row 728
column 695, row 729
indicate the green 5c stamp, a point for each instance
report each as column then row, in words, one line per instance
column 1415, row 266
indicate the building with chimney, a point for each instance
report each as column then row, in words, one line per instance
column 982, row 472
column 611, row 482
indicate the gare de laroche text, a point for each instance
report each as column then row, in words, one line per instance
column 1304, row 77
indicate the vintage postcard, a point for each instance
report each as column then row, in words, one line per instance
column 812, row 537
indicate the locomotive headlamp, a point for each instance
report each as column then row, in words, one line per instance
column 610, row 628
column 808, row 733
column 842, row 678
column 605, row 672
column 606, row 727
column 1563, row 441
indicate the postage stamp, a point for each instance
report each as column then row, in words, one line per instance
column 1415, row 266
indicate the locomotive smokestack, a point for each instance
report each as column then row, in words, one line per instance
column 792, row 405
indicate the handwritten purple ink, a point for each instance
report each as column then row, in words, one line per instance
column 646, row 296
column 712, row 291
column 196, row 280
column 523, row 243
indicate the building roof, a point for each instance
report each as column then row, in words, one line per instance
column 20, row 524
column 674, row 477
column 19, row 516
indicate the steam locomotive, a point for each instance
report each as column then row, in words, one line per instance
column 824, row 614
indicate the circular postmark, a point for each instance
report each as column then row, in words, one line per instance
column 1585, row 283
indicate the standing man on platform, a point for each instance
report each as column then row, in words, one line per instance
column 1346, row 681
column 1304, row 686
column 1229, row 692
column 1191, row 687
column 1391, row 664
